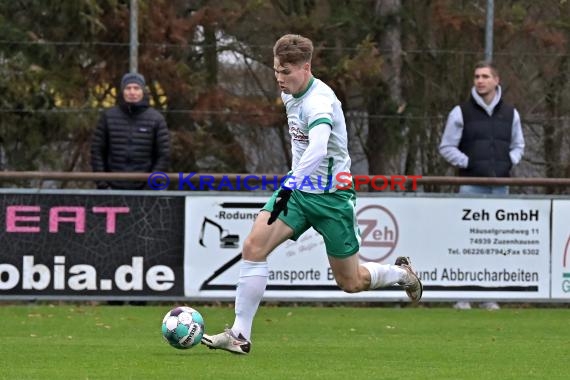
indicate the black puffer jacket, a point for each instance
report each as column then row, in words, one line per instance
column 486, row 139
column 130, row 137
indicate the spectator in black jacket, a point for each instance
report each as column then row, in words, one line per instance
column 130, row 137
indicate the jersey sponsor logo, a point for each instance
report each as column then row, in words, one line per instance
column 297, row 134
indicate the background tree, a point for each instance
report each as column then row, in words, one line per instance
column 398, row 67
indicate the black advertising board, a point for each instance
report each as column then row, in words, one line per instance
column 91, row 245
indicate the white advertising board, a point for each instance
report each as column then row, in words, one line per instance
column 561, row 249
column 462, row 248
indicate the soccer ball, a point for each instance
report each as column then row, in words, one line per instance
column 183, row 327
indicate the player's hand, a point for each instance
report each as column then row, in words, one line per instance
column 280, row 204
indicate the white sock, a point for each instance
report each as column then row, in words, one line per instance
column 383, row 275
column 251, row 286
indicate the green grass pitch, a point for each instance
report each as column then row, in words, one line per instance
column 68, row 341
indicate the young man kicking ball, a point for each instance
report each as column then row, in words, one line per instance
column 320, row 152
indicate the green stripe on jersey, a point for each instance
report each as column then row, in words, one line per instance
column 322, row 120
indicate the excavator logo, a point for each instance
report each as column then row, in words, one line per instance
column 227, row 240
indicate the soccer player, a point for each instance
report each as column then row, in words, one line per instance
column 320, row 152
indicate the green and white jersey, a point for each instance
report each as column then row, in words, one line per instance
column 317, row 105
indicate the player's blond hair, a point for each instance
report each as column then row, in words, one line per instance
column 293, row 49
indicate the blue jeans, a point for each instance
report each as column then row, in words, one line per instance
column 481, row 189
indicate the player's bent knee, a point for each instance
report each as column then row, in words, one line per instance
column 248, row 249
column 351, row 289
column 252, row 249
column 349, row 286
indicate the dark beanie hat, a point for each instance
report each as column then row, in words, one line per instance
column 132, row 78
